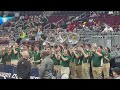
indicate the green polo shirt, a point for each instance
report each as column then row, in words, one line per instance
column 97, row 59
column 55, row 61
column 14, row 56
column 5, row 57
column 86, row 59
column 36, row 56
column 65, row 63
column 31, row 53
column 0, row 54
column 108, row 56
column 72, row 58
column 79, row 60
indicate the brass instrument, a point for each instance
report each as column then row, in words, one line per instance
column 73, row 38
column 50, row 39
column 63, row 37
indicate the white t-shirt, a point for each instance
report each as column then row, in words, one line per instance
column 108, row 29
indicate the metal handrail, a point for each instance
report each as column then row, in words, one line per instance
column 47, row 25
column 59, row 21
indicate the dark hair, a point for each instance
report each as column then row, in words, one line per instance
column 108, row 49
column 55, row 46
column 51, row 46
column 68, row 51
column 66, row 45
column 82, row 46
column 61, row 47
column 88, row 45
column 100, row 47
column 45, row 53
column 48, row 44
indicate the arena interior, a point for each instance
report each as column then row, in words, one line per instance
column 60, row 44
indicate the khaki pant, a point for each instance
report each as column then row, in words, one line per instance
column 79, row 72
column 106, row 68
column 8, row 62
column 97, row 72
column 86, row 70
column 72, row 70
column 57, row 68
column 65, row 70
column 14, row 62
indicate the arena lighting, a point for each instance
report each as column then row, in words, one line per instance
column 5, row 19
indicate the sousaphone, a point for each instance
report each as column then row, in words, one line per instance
column 50, row 39
column 63, row 37
column 73, row 38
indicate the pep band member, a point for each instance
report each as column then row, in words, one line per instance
column 65, row 59
column 86, row 62
column 0, row 53
column 9, row 53
column 4, row 55
column 97, row 57
column 106, row 63
column 14, row 55
column 36, row 54
column 78, row 61
column 72, row 65
column 56, row 59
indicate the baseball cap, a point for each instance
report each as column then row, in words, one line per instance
column 116, row 69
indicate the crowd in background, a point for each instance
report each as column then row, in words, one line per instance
column 78, row 61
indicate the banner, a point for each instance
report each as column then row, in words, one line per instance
column 9, row 72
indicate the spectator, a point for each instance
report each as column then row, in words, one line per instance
column 64, row 25
column 24, row 67
column 59, row 29
column 38, row 35
column 107, row 29
column 116, row 72
column 53, row 25
column 80, row 26
column 93, row 14
column 46, row 67
column 70, row 27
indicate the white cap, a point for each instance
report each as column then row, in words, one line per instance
column 65, row 76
